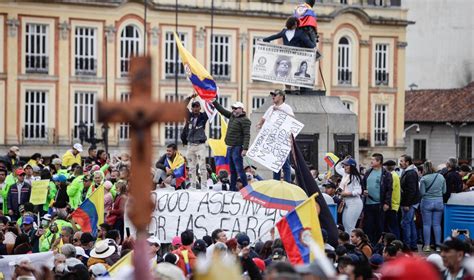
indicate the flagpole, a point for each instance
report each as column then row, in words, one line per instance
column 210, row 64
column 176, row 132
column 144, row 26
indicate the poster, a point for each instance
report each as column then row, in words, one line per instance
column 203, row 212
column 272, row 145
column 39, row 192
column 284, row 64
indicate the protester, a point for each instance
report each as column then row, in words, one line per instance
column 72, row 156
column 453, row 179
column 171, row 168
column 292, row 36
column 410, row 197
column 391, row 215
column 18, row 194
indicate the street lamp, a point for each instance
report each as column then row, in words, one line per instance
column 410, row 127
column 457, row 130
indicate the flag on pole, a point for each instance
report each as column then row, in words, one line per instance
column 290, row 227
column 331, row 159
column 90, row 214
column 209, row 108
column 202, row 81
column 219, row 148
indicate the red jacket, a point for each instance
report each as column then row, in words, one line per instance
column 191, row 259
column 118, row 208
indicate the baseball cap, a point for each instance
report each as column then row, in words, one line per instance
column 389, row 163
column 19, row 171
column 376, row 260
column 196, row 104
column 27, row 165
column 349, row 161
column 200, row 245
column 57, row 161
column 27, row 220
column 46, row 217
column 36, row 168
column 238, row 105
column 176, row 241
column 80, row 252
column 78, row 147
column 59, row 178
column 278, row 92
column 243, row 239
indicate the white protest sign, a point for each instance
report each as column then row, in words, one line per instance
column 37, row 260
column 203, row 212
column 272, row 145
column 284, row 64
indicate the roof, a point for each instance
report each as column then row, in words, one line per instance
column 440, row 105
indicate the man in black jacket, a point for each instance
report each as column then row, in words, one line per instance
column 377, row 184
column 410, row 196
column 453, row 179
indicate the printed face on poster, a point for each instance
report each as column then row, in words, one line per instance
column 284, row 64
column 272, row 145
column 203, row 212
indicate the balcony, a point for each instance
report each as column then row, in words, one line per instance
column 37, row 135
column 381, row 78
column 36, row 64
column 344, row 77
column 381, row 138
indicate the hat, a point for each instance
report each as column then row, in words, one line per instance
column 59, row 178
column 166, row 270
column 15, row 150
column 200, row 245
column 102, row 250
column 238, row 105
column 80, row 252
column 243, row 239
column 86, row 238
column 72, row 262
column 27, row 165
column 408, row 268
column 196, row 104
column 454, row 244
column 78, row 147
column 176, row 241
column 376, row 260
column 36, row 168
column 437, row 261
column 154, row 240
column 278, row 92
column 389, row 163
column 28, row 220
column 57, row 161
column 349, row 161
column 46, row 217
column 98, row 270
column 19, row 171
column 277, row 254
column 259, row 263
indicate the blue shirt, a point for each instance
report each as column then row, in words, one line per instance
column 373, row 187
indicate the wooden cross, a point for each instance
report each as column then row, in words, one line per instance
column 141, row 112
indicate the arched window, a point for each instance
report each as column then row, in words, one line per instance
column 344, row 73
column 129, row 46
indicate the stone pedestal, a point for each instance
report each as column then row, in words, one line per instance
column 328, row 127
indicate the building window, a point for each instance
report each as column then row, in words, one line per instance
column 381, row 64
column 343, row 2
column 419, row 150
column 257, row 101
column 171, row 51
column 170, row 127
column 220, row 56
column 216, row 122
column 381, row 127
column 348, row 104
column 129, row 46
column 124, row 128
column 86, row 51
column 84, row 111
column 36, row 43
column 344, row 73
column 35, row 115
column 465, row 149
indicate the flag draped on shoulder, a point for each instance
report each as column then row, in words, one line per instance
column 90, row 214
column 306, row 181
column 291, row 227
column 219, row 148
column 178, row 166
column 202, row 81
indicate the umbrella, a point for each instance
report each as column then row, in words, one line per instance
column 274, row 194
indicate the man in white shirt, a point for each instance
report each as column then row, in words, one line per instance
column 278, row 98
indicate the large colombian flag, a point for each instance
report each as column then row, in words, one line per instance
column 219, row 148
column 290, row 227
column 202, row 81
column 90, row 214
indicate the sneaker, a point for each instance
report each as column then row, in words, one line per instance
column 426, row 249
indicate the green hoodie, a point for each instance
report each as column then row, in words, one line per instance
column 74, row 191
column 51, row 195
column 9, row 181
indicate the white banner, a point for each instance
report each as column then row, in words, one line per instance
column 203, row 212
column 272, row 145
column 284, row 64
column 37, row 260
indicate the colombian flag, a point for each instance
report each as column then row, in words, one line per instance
column 90, row 214
column 305, row 15
column 219, row 148
column 179, row 168
column 331, row 159
column 290, row 227
column 202, row 81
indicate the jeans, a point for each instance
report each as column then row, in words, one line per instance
column 432, row 212
column 236, row 164
column 391, row 223
column 373, row 221
column 286, row 168
column 409, row 228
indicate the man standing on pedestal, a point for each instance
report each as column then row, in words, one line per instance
column 196, row 137
column 237, row 140
column 278, row 97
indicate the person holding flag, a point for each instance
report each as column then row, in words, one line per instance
column 172, row 168
column 196, row 138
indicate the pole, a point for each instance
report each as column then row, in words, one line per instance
column 176, row 72
column 144, row 26
column 212, row 70
column 242, row 68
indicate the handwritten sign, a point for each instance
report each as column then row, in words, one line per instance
column 39, row 191
column 272, row 145
column 203, row 212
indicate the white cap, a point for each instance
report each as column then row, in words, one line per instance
column 154, row 240
column 78, row 147
column 238, row 105
column 80, row 252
